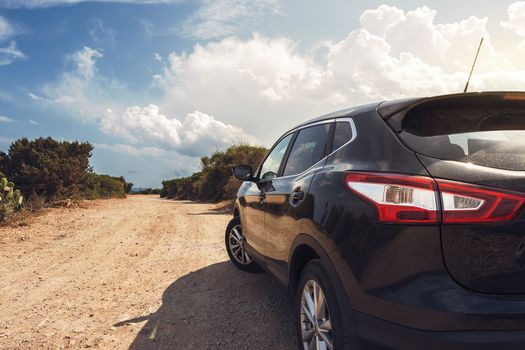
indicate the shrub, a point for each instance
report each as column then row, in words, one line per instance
column 169, row 189
column 50, row 168
column 10, row 200
column 148, row 191
column 217, row 181
column 102, row 186
column 34, row 202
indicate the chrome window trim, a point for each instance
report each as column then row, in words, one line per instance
column 289, row 132
column 352, row 127
column 335, row 120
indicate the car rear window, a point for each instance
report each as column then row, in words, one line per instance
column 487, row 136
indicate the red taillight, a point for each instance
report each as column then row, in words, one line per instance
column 414, row 199
column 398, row 198
column 465, row 203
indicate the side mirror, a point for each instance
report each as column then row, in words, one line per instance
column 243, row 172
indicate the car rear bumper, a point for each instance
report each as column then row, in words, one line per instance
column 374, row 333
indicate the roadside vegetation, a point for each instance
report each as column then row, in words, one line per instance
column 47, row 172
column 215, row 180
column 146, row 191
column 10, row 200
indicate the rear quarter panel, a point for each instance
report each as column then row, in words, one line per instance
column 373, row 260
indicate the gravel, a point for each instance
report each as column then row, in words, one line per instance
column 135, row 273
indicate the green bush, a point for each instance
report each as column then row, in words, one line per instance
column 11, row 200
column 50, row 168
column 148, row 191
column 181, row 188
column 103, row 186
column 129, row 187
column 169, row 189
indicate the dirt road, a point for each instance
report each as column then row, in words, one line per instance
column 135, row 273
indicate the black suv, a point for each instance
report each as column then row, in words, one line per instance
column 395, row 225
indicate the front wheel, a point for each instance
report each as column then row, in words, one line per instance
column 319, row 321
column 234, row 239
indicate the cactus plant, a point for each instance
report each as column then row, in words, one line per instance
column 17, row 197
column 11, row 200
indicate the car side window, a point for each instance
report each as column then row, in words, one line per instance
column 270, row 167
column 309, row 147
column 342, row 134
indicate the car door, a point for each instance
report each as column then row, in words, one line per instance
column 286, row 196
column 254, row 197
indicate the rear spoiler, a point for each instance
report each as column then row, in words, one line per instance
column 395, row 111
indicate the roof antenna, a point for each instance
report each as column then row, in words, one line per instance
column 473, row 64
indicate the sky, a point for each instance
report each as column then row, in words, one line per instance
column 156, row 84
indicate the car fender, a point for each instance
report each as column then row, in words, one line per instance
column 330, row 261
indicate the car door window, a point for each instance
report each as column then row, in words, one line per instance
column 309, row 147
column 270, row 167
column 342, row 134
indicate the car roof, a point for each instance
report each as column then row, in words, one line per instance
column 341, row 113
column 388, row 108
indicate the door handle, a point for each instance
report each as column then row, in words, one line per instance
column 297, row 196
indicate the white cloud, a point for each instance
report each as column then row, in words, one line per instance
column 84, row 61
column 58, row 99
column 4, row 119
column 221, row 91
column 95, row 99
column 47, row 3
column 101, row 33
column 34, row 97
column 220, row 18
column 516, row 20
column 197, row 135
column 80, row 90
column 263, row 84
column 157, row 56
column 33, row 122
column 10, row 53
column 7, row 29
column 148, row 28
column 131, row 150
column 253, row 83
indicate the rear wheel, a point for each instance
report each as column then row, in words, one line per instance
column 319, row 322
column 234, row 239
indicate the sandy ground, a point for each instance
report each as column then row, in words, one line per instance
column 135, row 273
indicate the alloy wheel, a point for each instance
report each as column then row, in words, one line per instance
column 236, row 245
column 316, row 326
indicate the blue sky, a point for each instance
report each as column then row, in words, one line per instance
column 154, row 85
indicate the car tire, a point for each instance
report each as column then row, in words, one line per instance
column 330, row 324
column 234, row 240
